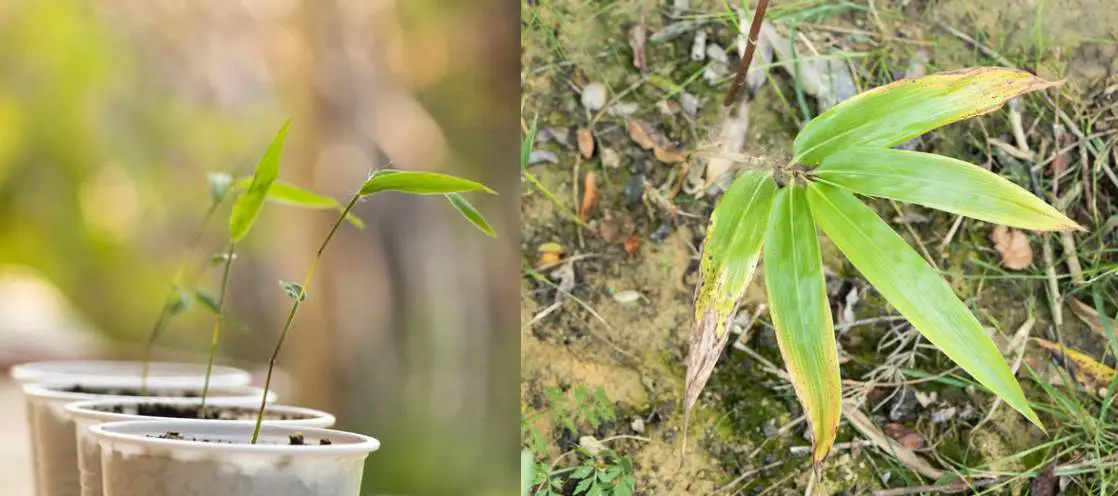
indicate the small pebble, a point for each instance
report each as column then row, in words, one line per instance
column 594, row 96
column 637, row 425
column 296, row 439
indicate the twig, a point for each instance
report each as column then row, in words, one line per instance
column 743, row 66
column 950, row 235
column 873, row 320
column 864, row 425
column 936, row 488
column 840, row 29
column 746, row 475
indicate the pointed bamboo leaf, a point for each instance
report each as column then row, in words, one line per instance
column 419, row 183
column 916, row 290
column 283, row 193
column 249, row 203
column 892, row 114
column 801, row 315
column 471, row 214
column 730, row 254
column 942, row 183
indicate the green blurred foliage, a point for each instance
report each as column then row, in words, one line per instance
column 101, row 160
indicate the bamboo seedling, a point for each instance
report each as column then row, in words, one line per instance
column 183, row 288
column 844, row 152
column 408, row 182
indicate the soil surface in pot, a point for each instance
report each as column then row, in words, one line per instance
column 191, row 412
column 295, row 439
column 126, row 391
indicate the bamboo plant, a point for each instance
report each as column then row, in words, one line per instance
column 845, row 152
column 183, row 289
column 384, row 180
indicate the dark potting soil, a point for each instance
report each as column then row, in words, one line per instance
column 123, row 391
column 191, row 412
column 295, row 439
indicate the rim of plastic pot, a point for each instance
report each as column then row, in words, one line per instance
column 128, row 373
column 88, row 410
column 233, row 438
column 225, row 395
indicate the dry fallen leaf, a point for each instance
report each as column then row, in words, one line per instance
column 667, row 156
column 1093, row 376
column 632, row 244
column 1013, row 245
column 642, row 133
column 550, row 254
column 1088, row 315
column 650, row 139
column 1046, row 482
column 902, row 434
column 637, row 37
column 585, row 142
column 589, row 195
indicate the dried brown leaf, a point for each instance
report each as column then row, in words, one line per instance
column 585, row 142
column 632, row 244
column 637, row 37
column 1013, row 245
column 1060, row 163
column 1046, row 482
column 1092, row 375
column 1087, row 314
column 643, row 133
column 902, row 434
column 667, row 156
column 589, row 195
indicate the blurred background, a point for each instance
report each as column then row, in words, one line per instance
column 112, row 112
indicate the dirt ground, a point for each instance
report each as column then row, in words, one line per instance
column 607, row 301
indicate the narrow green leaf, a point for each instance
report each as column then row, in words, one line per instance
column 179, row 301
column 733, row 246
column 249, row 203
column 419, row 183
column 470, row 213
column 916, row 290
column 942, row 183
column 730, row 254
column 889, row 115
column 284, row 193
column 801, row 315
column 527, row 142
column 207, row 299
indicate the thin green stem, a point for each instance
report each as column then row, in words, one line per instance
column 165, row 313
column 295, row 309
column 216, row 333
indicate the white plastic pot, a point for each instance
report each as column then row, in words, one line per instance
column 89, row 413
column 129, row 374
column 53, row 444
column 216, row 459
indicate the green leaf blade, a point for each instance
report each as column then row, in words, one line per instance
column 801, row 315
column 733, row 245
column 419, row 183
column 471, row 214
column 942, row 183
column 892, row 114
column 729, row 259
column 250, row 202
column 916, row 290
column 283, row 193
